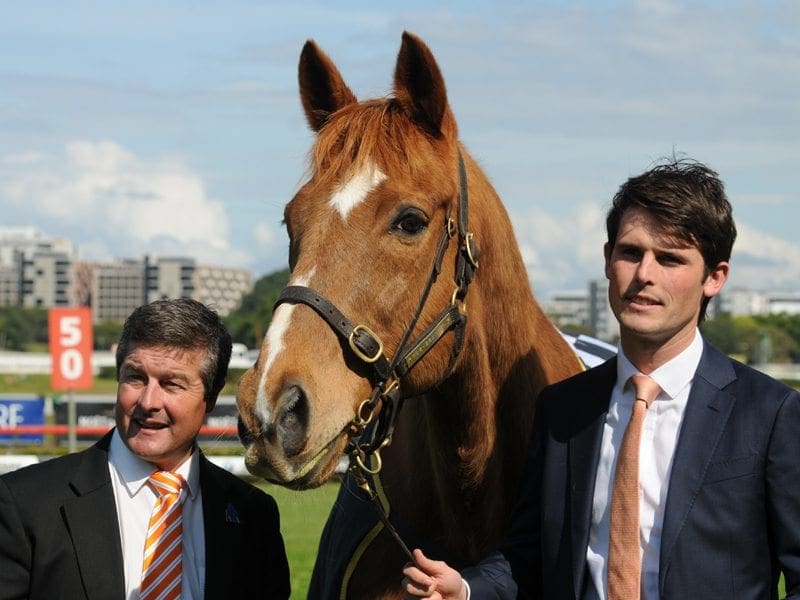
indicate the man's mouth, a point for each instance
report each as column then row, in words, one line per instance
column 150, row 424
column 643, row 300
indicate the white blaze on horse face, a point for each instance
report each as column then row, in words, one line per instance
column 277, row 328
column 354, row 192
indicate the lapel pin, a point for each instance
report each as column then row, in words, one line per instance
column 231, row 516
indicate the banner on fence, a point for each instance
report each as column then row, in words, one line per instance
column 21, row 411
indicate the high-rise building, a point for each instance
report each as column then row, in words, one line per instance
column 117, row 288
column 43, row 272
column 221, row 288
column 602, row 323
column 169, row 277
column 10, row 280
column 35, row 271
column 568, row 309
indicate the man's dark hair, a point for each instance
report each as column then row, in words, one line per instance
column 688, row 200
column 181, row 323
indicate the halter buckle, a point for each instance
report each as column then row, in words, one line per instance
column 351, row 339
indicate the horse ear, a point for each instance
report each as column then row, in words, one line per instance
column 322, row 88
column 419, row 86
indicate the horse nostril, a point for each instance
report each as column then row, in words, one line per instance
column 245, row 436
column 293, row 421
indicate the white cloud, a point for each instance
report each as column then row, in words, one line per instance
column 265, row 236
column 561, row 252
column 125, row 206
column 763, row 261
column 565, row 252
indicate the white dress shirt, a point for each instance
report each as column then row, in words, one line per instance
column 660, row 432
column 135, row 501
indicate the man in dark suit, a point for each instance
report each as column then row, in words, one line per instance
column 718, row 489
column 76, row 526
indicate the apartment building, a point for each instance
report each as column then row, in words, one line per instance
column 37, row 271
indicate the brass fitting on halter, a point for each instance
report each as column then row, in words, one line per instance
column 387, row 397
column 452, row 228
column 364, row 330
column 471, row 249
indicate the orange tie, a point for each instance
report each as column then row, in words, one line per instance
column 624, row 553
column 161, row 568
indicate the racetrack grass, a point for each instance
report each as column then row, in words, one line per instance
column 303, row 515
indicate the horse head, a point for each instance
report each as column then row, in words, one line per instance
column 383, row 246
column 370, row 233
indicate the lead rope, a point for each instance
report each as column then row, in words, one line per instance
column 368, row 488
column 466, row 266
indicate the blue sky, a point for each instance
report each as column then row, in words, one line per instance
column 176, row 127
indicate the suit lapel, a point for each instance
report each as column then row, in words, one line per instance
column 584, row 450
column 707, row 412
column 223, row 531
column 91, row 517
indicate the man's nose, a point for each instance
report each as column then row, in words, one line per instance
column 151, row 396
column 644, row 270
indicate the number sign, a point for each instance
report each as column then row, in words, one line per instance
column 71, row 341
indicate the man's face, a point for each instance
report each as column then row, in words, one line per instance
column 655, row 287
column 161, row 403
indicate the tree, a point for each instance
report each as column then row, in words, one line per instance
column 106, row 334
column 249, row 322
column 756, row 338
column 22, row 327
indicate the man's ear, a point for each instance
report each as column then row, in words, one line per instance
column 716, row 279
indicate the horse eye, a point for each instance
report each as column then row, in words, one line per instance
column 410, row 222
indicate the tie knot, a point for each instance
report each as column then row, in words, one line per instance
column 646, row 388
column 166, row 482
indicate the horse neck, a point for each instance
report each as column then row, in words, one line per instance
column 458, row 451
column 453, row 465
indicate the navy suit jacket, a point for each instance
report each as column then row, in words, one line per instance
column 59, row 535
column 732, row 514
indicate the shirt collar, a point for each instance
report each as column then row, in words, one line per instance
column 134, row 471
column 674, row 375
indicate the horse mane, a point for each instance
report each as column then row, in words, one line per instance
column 377, row 132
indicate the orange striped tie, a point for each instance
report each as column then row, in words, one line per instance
column 624, row 550
column 161, row 568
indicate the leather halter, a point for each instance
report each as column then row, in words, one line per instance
column 367, row 347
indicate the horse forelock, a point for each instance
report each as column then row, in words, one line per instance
column 375, row 134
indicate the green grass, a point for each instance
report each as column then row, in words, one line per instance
column 40, row 384
column 303, row 515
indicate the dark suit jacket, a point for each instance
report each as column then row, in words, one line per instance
column 59, row 536
column 732, row 515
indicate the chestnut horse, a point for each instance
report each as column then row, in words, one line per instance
column 389, row 229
